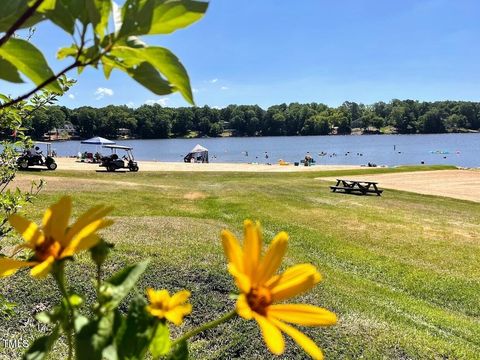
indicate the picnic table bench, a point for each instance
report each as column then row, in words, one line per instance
column 355, row 186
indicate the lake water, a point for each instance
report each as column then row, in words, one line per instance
column 454, row 149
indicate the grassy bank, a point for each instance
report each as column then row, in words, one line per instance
column 401, row 271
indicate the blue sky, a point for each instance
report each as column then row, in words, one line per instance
column 267, row 52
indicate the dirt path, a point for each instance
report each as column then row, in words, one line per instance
column 458, row 184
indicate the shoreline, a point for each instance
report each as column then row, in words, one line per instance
column 66, row 163
column 353, row 133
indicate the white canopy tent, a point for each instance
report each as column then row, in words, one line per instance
column 97, row 140
column 199, row 153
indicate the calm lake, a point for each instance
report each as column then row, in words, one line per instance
column 454, row 149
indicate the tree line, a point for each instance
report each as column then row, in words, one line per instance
column 155, row 121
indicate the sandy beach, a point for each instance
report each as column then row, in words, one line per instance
column 458, row 184
column 73, row 164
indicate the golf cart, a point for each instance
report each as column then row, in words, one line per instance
column 35, row 156
column 113, row 162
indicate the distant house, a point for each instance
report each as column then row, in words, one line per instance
column 66, row 132
column 124, row 133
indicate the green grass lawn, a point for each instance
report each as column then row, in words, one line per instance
column 401, row 271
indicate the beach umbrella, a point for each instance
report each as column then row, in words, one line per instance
column 97, row 140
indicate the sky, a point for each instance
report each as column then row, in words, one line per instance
column 268, row 52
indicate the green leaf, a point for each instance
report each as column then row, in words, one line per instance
column 12, row 10
column 169, row 16
column 29, row 61
column 136, row 332
column 95, row 336
column 58, row 12
column 67, row 51
column 41, row 346
column 114, row 290
column 162, row 60
column 107, row 65
column 136, row 17
column 8, row 72
column 179, row 352
column 141, row 17
column 45, row 5
column 77, row 9
column 160, row 344
column 99, row 13
column 149, row 77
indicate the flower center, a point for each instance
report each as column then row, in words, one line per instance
column 47, row 248
column 258, row 299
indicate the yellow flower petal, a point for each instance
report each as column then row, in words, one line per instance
column 232, row 249
column 242, row 307
column 80, row 245
column 294, row 281
column 87, row 218
column 46, row 221
column 302, row 314
column 86, row 232
column 241, row 280
column 28, row 229
column 179, row 298
column 58, row 222
column 271, row 334
column 176, row 315
column 251, row 247
column 300, row 338
column 294, row 271
column 41, row 270
column 10, row 266
column 160, row 313
column 273, row 258
column 158, row 297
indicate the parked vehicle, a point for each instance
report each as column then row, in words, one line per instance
column 114, row 162
column 36, row 157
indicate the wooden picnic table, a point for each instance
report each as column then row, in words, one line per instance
column 356, row 186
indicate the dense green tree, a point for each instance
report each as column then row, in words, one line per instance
column 432, row 122
column 182, row 122
column 155, row 121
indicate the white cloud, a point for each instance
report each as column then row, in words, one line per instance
column 217, row 107
column 224, row 88
column 130, row 104
column 162, row 102
column 102, row 92
column 194, row 90
column 213, row 81
column 71, row 96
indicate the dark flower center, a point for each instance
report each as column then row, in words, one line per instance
column 258, row 299
column 48, row 248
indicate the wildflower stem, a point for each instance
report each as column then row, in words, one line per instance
column 99, row 277
column 207, row 326
column 59, row 275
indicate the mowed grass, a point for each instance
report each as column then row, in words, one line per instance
column 401, row 271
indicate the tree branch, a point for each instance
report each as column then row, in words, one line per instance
column 40, row 86
column 20, row 21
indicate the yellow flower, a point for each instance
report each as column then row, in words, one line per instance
column 260, row 289
column 173, row 308
column 55, row 240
